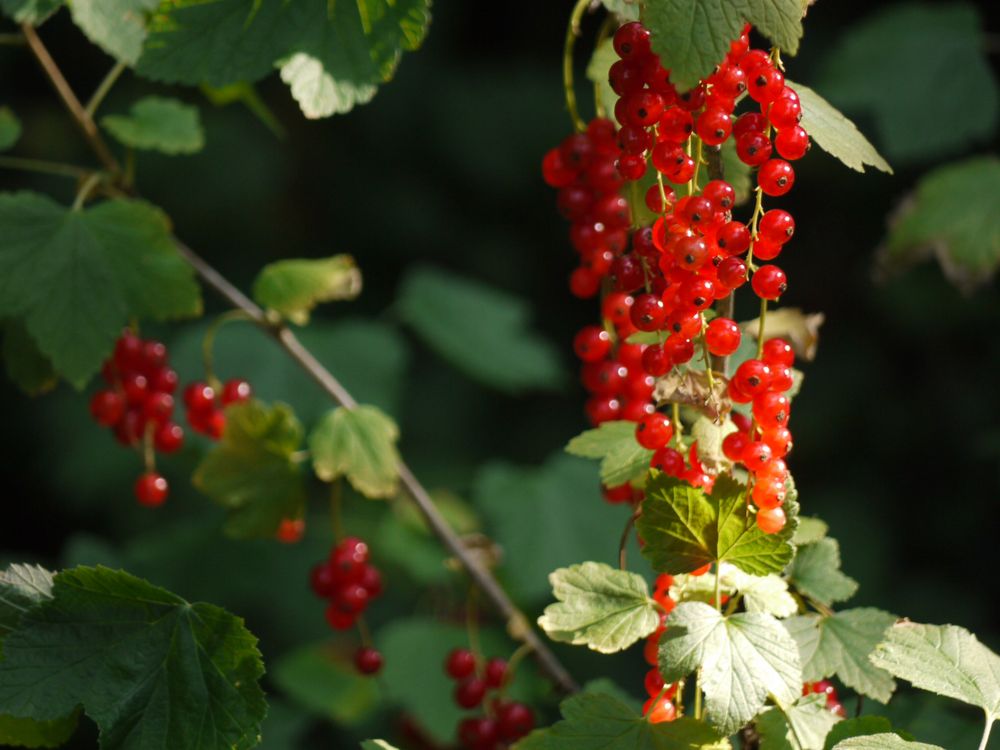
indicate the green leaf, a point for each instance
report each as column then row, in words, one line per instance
column 625, row 10
column 26, row 366
column 951, row 216
column 835, row 134
column 801, row 726
column 53, row 261
column 861, row 726
column 252, row 472
column 345, row 50
column 622, row 458
column 600, row 607
column 684, row 529
column 693, row 36
column 943, row 659
column 598, row 721
column 743, row 658
column 30, row 11
column 709, row 435
column 815, row 572
column 293, row 288
column 315, row 678
column 923, row 44
column 21, row 588
column 597, row 72
column 31, row 733
column 10, row 128
column 840, row 645
column 151, row 669
column 768, row 594
column 810, row 530
column 158, row 124
column 376, row 745
column 569, row 521
column 883, row 742
column 484, row 332
column 360, row 444
column 116, row 26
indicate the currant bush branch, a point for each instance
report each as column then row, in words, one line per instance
column 480, row 575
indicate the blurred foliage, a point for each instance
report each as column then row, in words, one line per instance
column 897, row 428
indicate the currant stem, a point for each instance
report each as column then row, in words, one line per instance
column 512, row 664
column 41, row 166
column 623, row 542
column 678, row 427
column 472, row 626
column 572, row 32
column 86, row 189
column 208, row 343
column 760, row 328
column 104, row 88
column 986, row 733
column 718, row 588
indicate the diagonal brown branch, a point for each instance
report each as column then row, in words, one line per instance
column 517, row 623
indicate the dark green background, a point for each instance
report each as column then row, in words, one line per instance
column 897, row 428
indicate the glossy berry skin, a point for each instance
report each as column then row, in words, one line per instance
column 768, row 493
column 722, row 336
column 338, row 619
column 648, row 313
column 754, row 149
column 669, row 461
column 769, row 282
column 107, row 408
column 792, row 143
column 654, row 431
column 756, row 456
column 367, row 660
column 775, row 177
column 653, row 682
column 732, row 273
column 771, row 410
column 659, row 710
column 515, row 721
column 771, row 520
column 495, row 672
column 778, row 352
column 151, row 489
column 199, row 396
column 777, row 226
column 734, row 445
column 168, row 438
column 235, row 391
column 615, row 307
column 592, row 343
column 631, row 41
column 469, row 693
column 752, row 377
column 656, row 361
column 460, row 664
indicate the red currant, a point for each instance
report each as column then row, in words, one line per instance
column 151, row 489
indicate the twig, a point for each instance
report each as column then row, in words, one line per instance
column 517, row 623
column 45, row 167
column 623, row 543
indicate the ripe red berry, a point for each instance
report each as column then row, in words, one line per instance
column 592, row 343
column 351, row 598
column 136, row 387
column 168, row 437
column 367, row 660
column 669, row 461
column 199, row 396
column 754, row 148
column 371, row 580
column 768, row 493
column 235, row 391
column 337, row 619
column 769, row 282
column 765, row 83
column 732, row 272
column 792, row 143
column 323, row 580
column 654, row 431
column 752, row 377
column 771, row 410
column 777, row 226
column 779, row 440
column 653, row 682
column 151, row 489
column 495, row 672
column 460, row 663
column 775, row 177
column 771, row 520
column 648, row 313
column 756, row 456
column 714, row 126
column 658, row 710
column 158, row 407
column 469, row 693
column 675, row 126
column 734, row 445
column 722, row 336
column 778, row 353
column 656, row 361
column 107, row 408
column 290, row 530
column 163, row 380
column 515, row 721
column 631, row 41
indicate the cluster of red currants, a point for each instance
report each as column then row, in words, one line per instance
column 138, row 406
column 206, row 408
column 660, row 704
column 349, row 582
column 761, row 443
column 825, row 687
column 505, row 722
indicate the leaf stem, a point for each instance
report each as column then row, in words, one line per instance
column 678, row 426
column 623, row 542
column 718, row 587
column 572, row 32
column 86, row 189
column 986, row 733
column 104, row 87
column 42, row 166
column 512, row 664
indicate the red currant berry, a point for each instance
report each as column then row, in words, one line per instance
column 290, row 530
column 615, row 495
column 675, row 126
column 778, row 353
column 714, row 126
column 107, row 408
column 632, row 166
column 777, row 226
column 128, row 352
column 367, row 660
column 722, row 337
column 750, row 122
column 648, row 313
column 631, row 41
column 753, row 377
column 732, row 272
column 515, row 721
column 768, row 493
column 168, row 437
column 602, row 409
column 771, row 410
column 669, row 461
column 460, row 663
column 784, row 112
column 720, row 195
column 792, row 143
column 495, row 672
column 199, row 396
column 771, row 520
column 734, row 445
column 323, row 580
column 654, row 431
column 779, row 440
column 235, row 391
column 653, row 682
column 555, row 171
column 151, row 489
column 656, row 361
column 584, row 283
column 754, row 148
column 351, row 598
column 163, row 380
column 478, row 733
column 136, row 388
column 592, row 343
column 158, row 407
column 769, row 282
column 775, row 177
column 338, row 619
column 765, row 83
column 371, row 581
column 469, row 693
column 756, row 456
column 658, row 710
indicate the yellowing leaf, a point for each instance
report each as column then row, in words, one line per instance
column 360, row 444
column 294, row 287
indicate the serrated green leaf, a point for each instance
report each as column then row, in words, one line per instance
column 840, row 645
column 252, row 472
column 155, row 123
column 943, row 659
column 835, row 134
column 599, row 721
column 483, row 331
column 801, row 726
column 53, row 261
column 151, row 669
column 924, row 44
column 600, row 607
column 31, row 733
column 359, row 444
column 10, row 128
column 21, row 588
column 116, row 26
column 30, row 11
column 951, row 216
column 743, row 658
column 26, row 366
column 294, row 287
column 810, row 530
column 560, row 534
column 861, row 726
column 768, row 594
column 625, row 10
column 693, row 36
column 815, row 572
column 684, row 529
column 883, row 742
column 622, row 458
column 317, row 679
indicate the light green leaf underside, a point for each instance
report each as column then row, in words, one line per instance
column 293, row 288
column 359, row 444
column 802, row 726
column 815, row 572
column 835, row 134
column 622, row 458
column 883, row 742
column 116, row 26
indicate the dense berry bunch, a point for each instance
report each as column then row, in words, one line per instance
column 206, row 407
column 825, row 687
column 504, row 721
column 659, row 706
column 349, row 582
column 138, row 406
